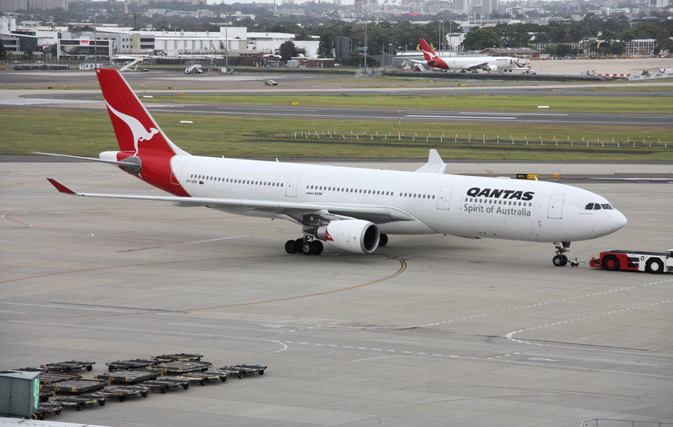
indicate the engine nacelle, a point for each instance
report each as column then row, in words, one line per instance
column 492, row 67
column 352, row 235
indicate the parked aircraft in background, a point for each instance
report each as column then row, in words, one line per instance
column 467, row 63
column 352, row 209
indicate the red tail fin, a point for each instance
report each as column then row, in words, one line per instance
column 428, row 53
column 137, row 132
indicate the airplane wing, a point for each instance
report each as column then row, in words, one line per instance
column 435, row 164
column 304, row 213
column 476, row 65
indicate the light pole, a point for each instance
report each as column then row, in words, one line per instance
column 226, row 47
column 390, row 54
column 365, row 48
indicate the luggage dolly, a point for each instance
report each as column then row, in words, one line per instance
column 164, row 384
column 178, row 368
column 129, row 377
column 178, row 357
column 122, row 392
column 46, row 408
column 76, row 386
column 69, row 366
column 79, row 402
column 204, row 377
column 130, row 364
column 244, row 370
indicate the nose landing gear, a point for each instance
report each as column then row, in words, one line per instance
column 561, row 260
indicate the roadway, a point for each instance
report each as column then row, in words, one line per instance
column 430, row 330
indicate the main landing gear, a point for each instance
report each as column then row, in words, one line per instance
column 561, row 260
column 309, row 245
column 306, row 245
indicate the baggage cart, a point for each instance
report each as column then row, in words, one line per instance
column 79, row 402
column 206, row 376
column 132, row 364
column 44, row 409
column 76, row 386
column 177, row 368
column 69, row 366
column 178, row 357
column 122, row 392
column 129, row 377
column 244, row 370
column 164, row 384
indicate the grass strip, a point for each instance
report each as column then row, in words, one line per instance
column 87, row 134
column 588, row 104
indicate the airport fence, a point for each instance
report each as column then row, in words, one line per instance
column 475, row 140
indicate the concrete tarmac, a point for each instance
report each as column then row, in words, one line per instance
column 430, row 330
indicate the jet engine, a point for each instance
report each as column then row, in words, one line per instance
column 352, row 235
column 492, row 67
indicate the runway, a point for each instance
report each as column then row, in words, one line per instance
column 430, row 330
column 86, row 100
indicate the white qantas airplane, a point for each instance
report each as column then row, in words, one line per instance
column 466, row 63
column 351, row 209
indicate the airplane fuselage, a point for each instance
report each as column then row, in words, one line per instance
column 351, row 209
column 467, row 206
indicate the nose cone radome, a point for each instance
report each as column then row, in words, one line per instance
column 617, row 221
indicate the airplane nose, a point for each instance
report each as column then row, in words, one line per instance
column 617, row 220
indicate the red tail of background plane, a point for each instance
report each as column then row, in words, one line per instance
column 428, row 53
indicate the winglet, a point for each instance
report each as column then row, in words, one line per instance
column 60, row 187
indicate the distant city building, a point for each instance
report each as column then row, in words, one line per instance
column 7, row 24
column 148, row 2
column 640, row 47
column 14, row 5
column 342, row 47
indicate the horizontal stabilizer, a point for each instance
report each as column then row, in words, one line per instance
column 435, row 164
column 90, row 159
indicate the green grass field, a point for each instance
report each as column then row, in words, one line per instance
column 86, row 134
column 484, row 102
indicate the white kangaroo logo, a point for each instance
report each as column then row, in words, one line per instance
column 138, row 130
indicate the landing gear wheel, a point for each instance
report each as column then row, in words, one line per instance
column 654, row 266
column 610, row 262
column 560, row 260
column 383, row 239
column 307, row 248
column 317, row 247
column 290, row 246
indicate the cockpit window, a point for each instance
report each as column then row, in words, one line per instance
column 597, row 206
